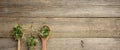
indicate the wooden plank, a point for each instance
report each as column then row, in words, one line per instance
column 65, row 27
column 67, row 44
column 58, row 2
column 60, row 8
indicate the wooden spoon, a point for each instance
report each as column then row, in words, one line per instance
column 18, row 44
column 44, row 43
column 44, row 36
column 17, row 34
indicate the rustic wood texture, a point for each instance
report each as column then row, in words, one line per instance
column 67, row 44
column 74, row 24
column 65, row 27
column 59, row 8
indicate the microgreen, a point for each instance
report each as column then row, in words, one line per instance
column 17, row 32
column 31, row 42
column 44, row 31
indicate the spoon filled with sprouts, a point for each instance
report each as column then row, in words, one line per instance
column 31, row 40
column 44, row 35
column 17, row 33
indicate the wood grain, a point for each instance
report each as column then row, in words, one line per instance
column 74, row 24
column 65, row 27
column 67, row 44
column 59, row 8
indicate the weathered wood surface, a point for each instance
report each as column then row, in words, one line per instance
column 67, row 44
column 65, row 27
column 98, row 21
column 59, row 8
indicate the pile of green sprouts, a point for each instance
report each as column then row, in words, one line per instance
column 44, row 31
column 31, row 41
column 17, row 32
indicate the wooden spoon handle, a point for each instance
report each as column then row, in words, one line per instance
column 18, row 44
column 44, row 41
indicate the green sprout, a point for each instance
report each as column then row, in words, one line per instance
column 31, row 42
column 44, row 31
column 17, row 32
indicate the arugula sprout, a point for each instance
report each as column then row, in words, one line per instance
column 44, row 31
column 31, row 42
column 17, row 32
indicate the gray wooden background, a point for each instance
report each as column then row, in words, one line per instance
column 74, row 24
